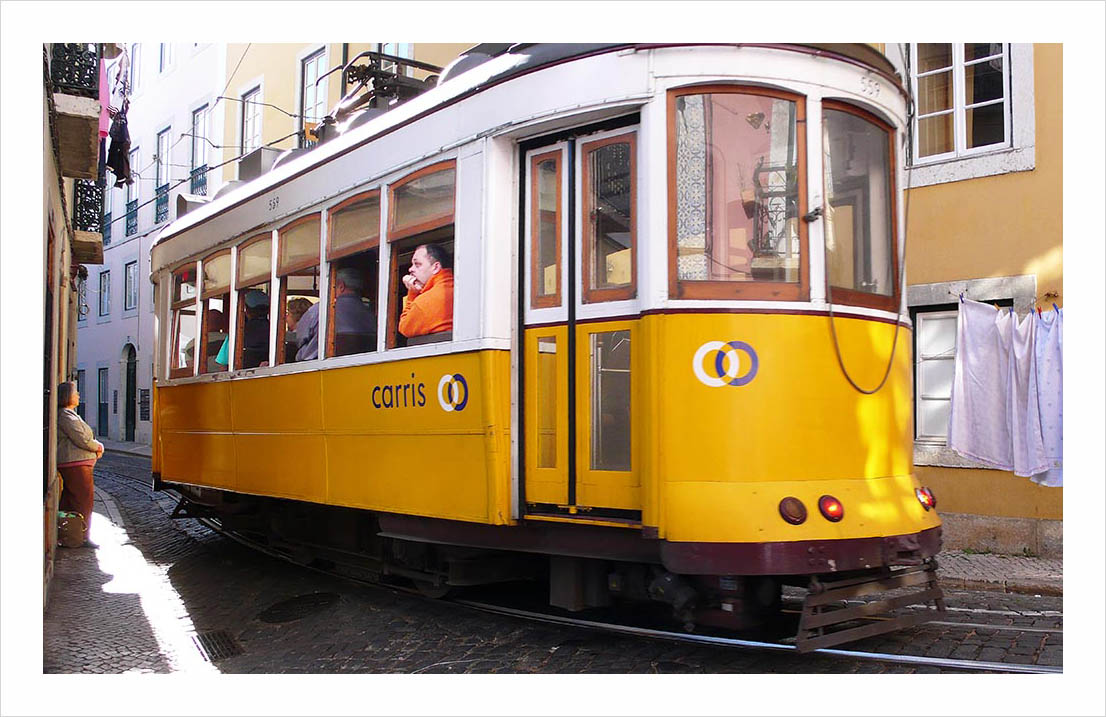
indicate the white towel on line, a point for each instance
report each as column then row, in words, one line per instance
column 995, row 416
column 1050, row 387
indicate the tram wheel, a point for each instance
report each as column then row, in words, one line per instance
column 435, row 591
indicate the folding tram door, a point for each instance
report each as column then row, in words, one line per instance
column 577, row 374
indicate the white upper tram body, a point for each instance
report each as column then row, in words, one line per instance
column 480, row 127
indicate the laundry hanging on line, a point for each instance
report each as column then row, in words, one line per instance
column 1008, row 390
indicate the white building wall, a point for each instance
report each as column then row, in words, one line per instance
column 163, row 98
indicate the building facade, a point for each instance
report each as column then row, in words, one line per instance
column 70, row 213
column 984, row 219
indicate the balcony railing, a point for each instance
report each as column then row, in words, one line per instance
column 75, row 69
column 106, row 230
column 132, row 217
column 162, row 204
column 88, row 205
column 199, row 180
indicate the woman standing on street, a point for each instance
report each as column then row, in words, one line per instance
column 78, row 452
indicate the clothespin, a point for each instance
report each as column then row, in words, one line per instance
column 1011, row 310
column 961, row 297
column 1055, row 308
column 1039, row 313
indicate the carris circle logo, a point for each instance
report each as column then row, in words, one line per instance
column 723, row 364
column 453, row 392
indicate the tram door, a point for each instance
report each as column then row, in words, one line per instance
column 578, row 269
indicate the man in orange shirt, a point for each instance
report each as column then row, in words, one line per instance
column 428, row 306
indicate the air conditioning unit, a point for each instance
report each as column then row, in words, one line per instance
column 256, row 163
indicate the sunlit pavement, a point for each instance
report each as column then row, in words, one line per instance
column 113, row 612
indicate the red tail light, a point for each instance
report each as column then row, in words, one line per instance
column 926, row 498
column 831, row 508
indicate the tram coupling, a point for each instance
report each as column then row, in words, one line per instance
column 831, row 616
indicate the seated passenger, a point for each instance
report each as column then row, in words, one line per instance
column 216, row 335
column 297, row 307
column 428, row 306
column 351, row 318
column 255, row 339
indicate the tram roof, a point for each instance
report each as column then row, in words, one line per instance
column 479, row 68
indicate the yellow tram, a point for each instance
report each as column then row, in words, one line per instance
column 678, row 367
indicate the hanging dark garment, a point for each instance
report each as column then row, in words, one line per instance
column 102, row 167
column 119, row 161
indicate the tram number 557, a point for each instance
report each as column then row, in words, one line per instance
column 274, row 202
column 869, row 86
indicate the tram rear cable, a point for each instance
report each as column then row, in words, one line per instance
column 902, row 264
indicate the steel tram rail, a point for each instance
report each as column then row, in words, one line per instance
column 648, row 633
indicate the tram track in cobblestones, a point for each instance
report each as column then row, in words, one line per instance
column 687, row 638
column 911, row 662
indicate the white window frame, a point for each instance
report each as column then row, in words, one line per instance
column 164, row 56
column 397, row 49
column 105, row 293
column 130, row 286
column 136, row 74
column 132, row 188
column 921, row 319
column 1017, row 155
column 163, row 154
column 250, row 126
column 199, row 136
column 319, row 106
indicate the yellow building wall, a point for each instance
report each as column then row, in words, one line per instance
column 276, row 66
column 1006, row 225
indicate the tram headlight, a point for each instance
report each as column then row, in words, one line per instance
column 831, row 508
column 926, row 498
column 792, row 510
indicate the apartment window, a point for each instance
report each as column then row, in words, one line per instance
column 80, row 392
column 130, row 286
column 165, row 56
column 135, row 72
column 962, row 92
column 199, row 137
column 105, row 293
column 396, row 49
column 934, row 359
column 82, row 299
column 251, row 120
column 101, row 401
column 313, row 102
column 106, row 223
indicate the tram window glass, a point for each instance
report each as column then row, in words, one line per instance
column 609, row 218
column 421, row 211
column 547, row 401
column 736, row 187
column 545, row 230
column 354, row 257
column 610, row 401
column 298, row 269
column 422, row 201
column 861, row 259
column 252, row 284
column 215, row 289
column 184, row 324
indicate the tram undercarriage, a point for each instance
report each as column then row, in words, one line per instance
column 580, row 573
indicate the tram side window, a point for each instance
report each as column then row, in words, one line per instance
column 420, row 225
column 298, row 269
column 736, row 167
column 252, row 283
column 353, row 256
column 184, row 324
column 216, row 304
column 861, row 260
column 609, row 270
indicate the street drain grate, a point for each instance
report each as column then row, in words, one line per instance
column 217, row 645
column 297, row 607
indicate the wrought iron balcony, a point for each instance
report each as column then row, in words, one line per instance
column 199, row 180
column 106, row 231
column 75, row 69
column 132, row 217
column 162, row 204
column 88, row 205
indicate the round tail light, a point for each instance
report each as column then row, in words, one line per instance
column 792, row 510
column 831, row 508
column 926, row 498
